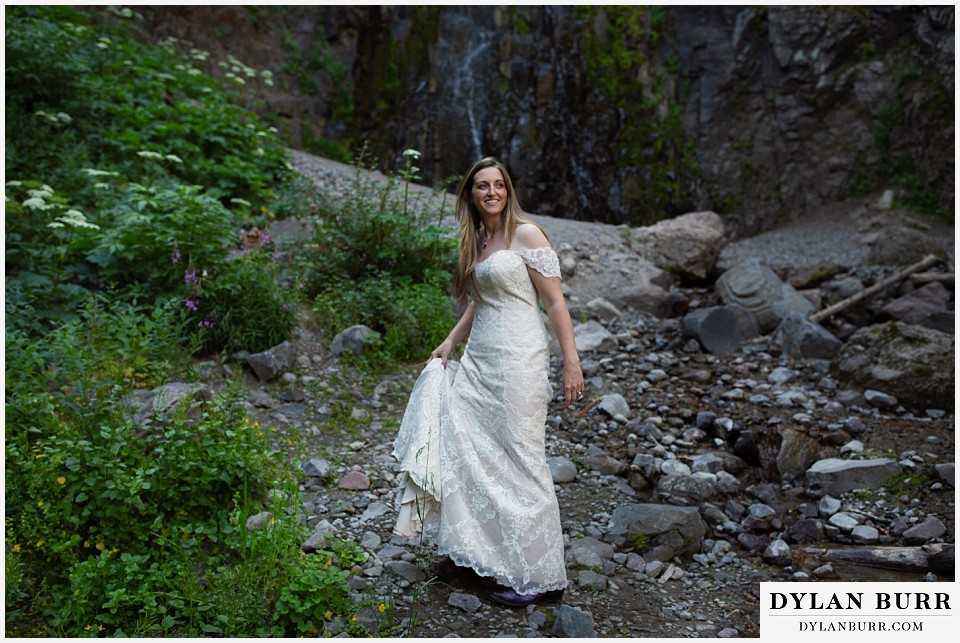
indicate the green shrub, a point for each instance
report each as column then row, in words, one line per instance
column 411, row 318
column 151, row 232
column 249, row 304
column 318, row 590
column 382, row 259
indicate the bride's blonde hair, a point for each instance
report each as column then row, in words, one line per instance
column 470, row 228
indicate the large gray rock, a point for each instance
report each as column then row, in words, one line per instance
column 926, row 306
column 913, row 363
column 688, row 245
column 797, row 452
column 270, row 363
column 758, row 289
column 562, row 469
column 614, row 404
column 717, row 328
column 627, row 280
column 573, row 623
column 592, row 336
column 685, row 489
column 834, row 476
column 802, row 338
column 165, row 398
column 665, row 531
column 352, row 340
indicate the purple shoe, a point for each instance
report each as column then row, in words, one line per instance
column 511, row 598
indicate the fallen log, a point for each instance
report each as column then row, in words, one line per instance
column 937, row 558
column 928, row 262
column 929, row 277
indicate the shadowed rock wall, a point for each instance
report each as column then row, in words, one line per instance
column 629, row 114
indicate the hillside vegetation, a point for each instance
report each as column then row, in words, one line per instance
column 132, row 180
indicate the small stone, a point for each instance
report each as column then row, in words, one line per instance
column 354, row 480
column 467, row 602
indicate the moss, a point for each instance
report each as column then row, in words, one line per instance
column 652, row 140
column 638, row 541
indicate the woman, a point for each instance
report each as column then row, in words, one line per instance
column 472, row 437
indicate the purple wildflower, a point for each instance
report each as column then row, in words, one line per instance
column 190, row 277
column 192, row 305
column 176, row 255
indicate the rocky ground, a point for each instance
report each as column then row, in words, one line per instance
column 662, row 423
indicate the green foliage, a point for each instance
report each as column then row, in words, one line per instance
column 411, row 318
column 246, row 305
column 150, row 230
column 652, row 134
column 318, row 589
column 121, row 156
column 898, row 165
column 381, row 259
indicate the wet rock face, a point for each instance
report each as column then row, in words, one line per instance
column 780, row 104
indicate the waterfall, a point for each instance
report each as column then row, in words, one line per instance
column 470, row 68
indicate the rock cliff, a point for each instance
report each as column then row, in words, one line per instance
column 624, row 114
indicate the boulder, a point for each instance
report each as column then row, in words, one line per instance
column 626, row 280
column 913, row 363
column 717, row 328
column 165, row 398
column 758, row 289
column 592, row 336
column 926, row 306
column 573, row 623
column 352, row 340
column 270, row 363
column 797, row 452
column 834, row 476
column 688, row 245
column 659, row 531
column 802, row 338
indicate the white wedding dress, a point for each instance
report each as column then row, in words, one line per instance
column 471, row 443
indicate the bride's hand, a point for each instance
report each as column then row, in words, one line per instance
column 572, row 384
column 443, row 351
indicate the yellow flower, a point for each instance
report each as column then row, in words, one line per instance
column 328, row 615
column 101, row 546
column 61, row 480
column 382, row 607
column 40, row 503
column 39, row 543
column 16, row 547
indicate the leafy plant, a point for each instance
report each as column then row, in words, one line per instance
column 381, row 258
column 246, row 305
column 318, row 590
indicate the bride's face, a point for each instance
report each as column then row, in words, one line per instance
column 489, row 191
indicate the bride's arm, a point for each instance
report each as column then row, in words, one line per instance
column 459, row 334
column 551, row 293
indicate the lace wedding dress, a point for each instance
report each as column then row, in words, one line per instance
column 471, row 442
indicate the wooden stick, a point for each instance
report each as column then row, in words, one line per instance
column 928, row 277
column 883, row 284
